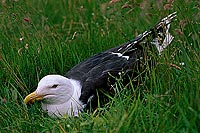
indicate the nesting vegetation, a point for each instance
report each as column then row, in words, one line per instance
column 41, row 37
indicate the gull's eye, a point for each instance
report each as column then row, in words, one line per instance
column 54, row 86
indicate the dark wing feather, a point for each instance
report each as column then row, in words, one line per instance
column 94, row 71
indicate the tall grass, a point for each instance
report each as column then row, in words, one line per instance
column 46, row 37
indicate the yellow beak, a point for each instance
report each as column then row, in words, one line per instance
column 32, row 97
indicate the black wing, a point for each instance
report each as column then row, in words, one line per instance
column 94, row 71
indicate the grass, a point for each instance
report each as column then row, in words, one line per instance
column 48, row 37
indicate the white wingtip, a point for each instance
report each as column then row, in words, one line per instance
column 165, row 23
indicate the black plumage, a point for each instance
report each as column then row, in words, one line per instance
column 93, row 73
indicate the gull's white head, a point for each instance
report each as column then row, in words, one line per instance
column 59, row 95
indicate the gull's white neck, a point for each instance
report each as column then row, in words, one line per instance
column 72, row 107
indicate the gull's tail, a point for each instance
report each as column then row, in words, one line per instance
column 161, row 32
column 158, row 35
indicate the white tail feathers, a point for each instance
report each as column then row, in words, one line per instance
column 159, row 42
column 158, row 35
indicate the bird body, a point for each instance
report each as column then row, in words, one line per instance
column 77, row 89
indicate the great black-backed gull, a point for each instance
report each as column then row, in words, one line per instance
column 77, row 89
